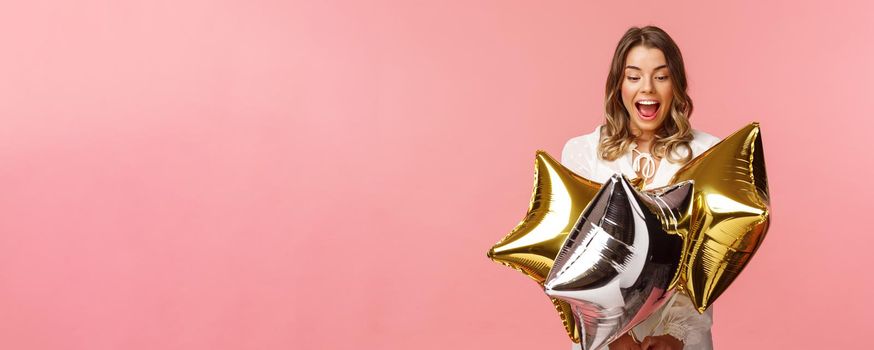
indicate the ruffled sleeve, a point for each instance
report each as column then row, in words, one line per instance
column 683, row 322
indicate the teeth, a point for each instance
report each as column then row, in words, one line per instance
column 647, row 102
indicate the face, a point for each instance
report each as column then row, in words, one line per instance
column 647, row 90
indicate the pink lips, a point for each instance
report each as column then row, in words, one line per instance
column 647, row 112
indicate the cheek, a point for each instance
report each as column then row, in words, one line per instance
column 667, row 92
column 627, row 94
column 667, row 95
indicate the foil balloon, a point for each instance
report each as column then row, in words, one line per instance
column 617, row 264
column 558, row 199
column 730, row 214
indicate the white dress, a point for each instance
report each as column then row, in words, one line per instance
column 678, row 316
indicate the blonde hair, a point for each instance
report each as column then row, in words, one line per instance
column 676, row 132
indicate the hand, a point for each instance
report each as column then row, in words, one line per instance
column 625, row 342
column 661, row 342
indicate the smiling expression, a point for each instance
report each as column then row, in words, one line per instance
column 647, row 90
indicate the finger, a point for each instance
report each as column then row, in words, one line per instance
column 644, row 345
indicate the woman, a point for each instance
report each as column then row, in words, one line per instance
column 647, row 135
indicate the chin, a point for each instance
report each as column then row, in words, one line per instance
column 648, row 125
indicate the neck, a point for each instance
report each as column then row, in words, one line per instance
column 644, row 142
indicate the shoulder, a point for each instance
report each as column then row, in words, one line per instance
column 581, row 151
column 583, row 144
column 702, row 141
column 702, row 137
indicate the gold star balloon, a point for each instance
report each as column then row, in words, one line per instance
column 730, row 213
column 558, row 199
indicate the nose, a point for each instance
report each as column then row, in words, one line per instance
column 648, row 86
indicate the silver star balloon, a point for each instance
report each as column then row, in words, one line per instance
column 618, row 263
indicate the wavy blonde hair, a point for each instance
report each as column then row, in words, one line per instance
column 676, row 132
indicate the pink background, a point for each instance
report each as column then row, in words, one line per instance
column 271, row 175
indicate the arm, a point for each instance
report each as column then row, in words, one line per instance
column 683, row 327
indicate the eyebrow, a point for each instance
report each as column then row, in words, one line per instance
column 638, row 68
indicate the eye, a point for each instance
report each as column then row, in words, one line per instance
column 662, row 78
column 633, row 78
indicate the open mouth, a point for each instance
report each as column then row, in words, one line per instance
column 647, row 109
